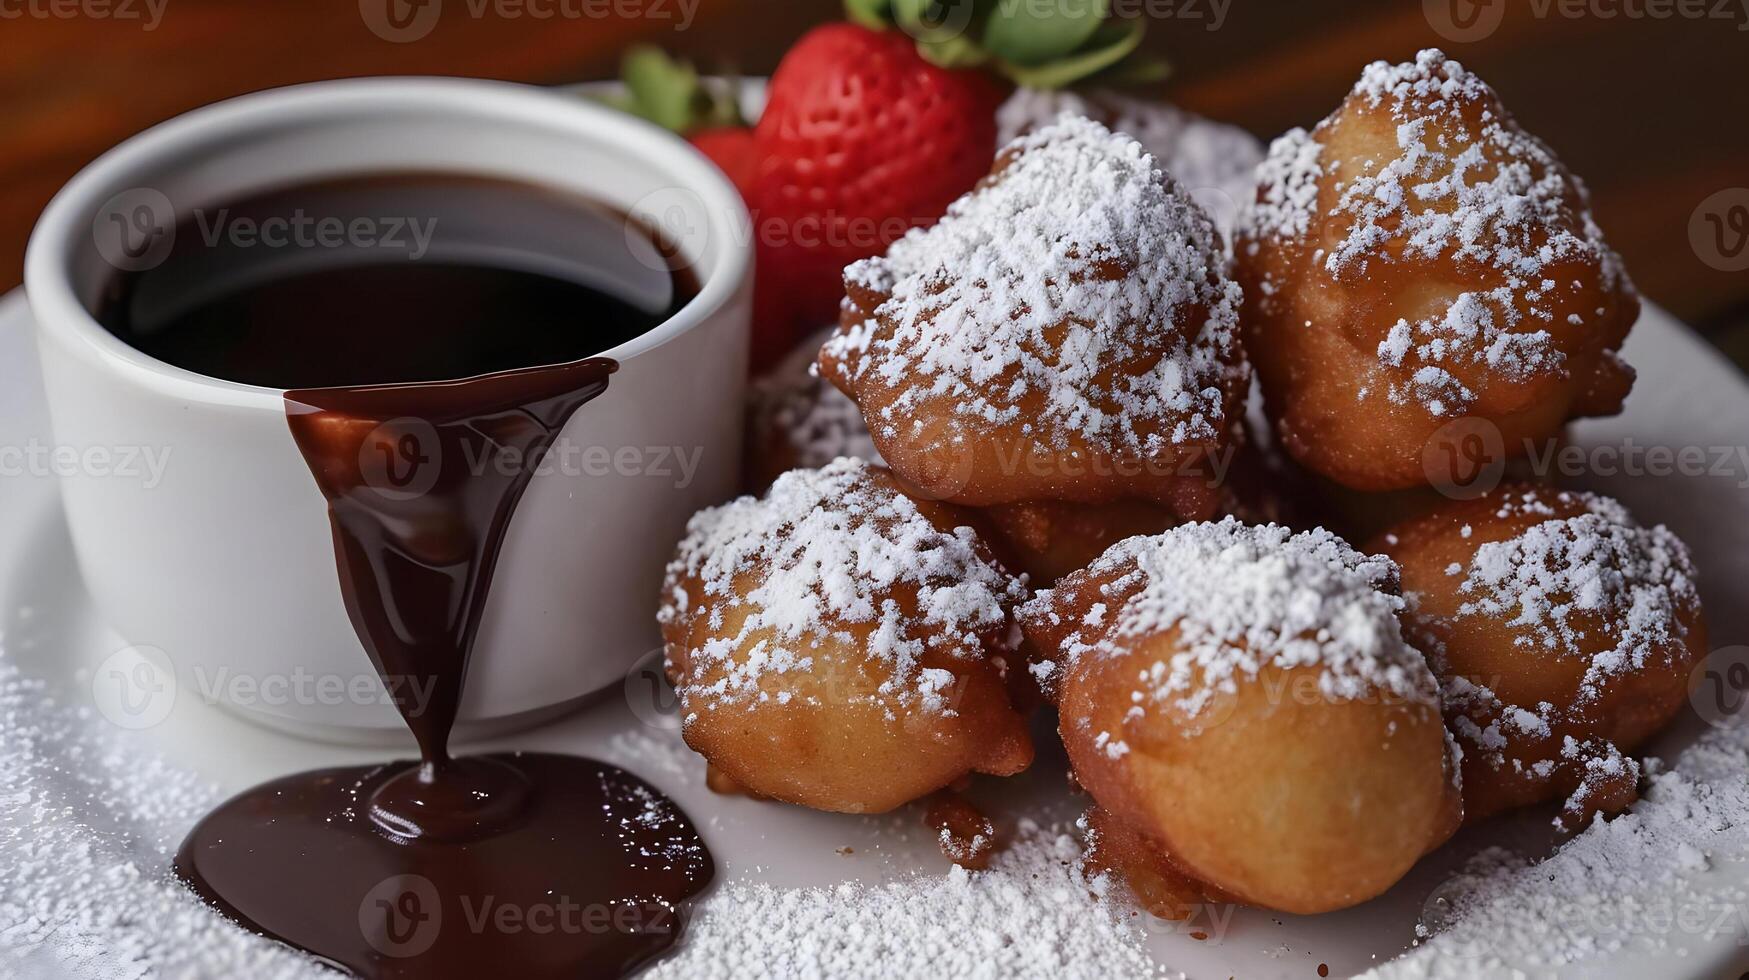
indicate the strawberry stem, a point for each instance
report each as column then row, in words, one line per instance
column 1045, row 46
column 669, row 92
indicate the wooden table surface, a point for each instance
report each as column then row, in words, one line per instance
column 1652, row 111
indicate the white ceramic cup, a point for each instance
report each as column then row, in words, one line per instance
column 225, row 562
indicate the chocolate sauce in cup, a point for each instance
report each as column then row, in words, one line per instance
column 547, row 865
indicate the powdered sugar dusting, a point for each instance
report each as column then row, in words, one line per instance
column 816, row 422
column 1245, row 598
column 1598, row 564
column 1287, row 188
column 1213, row 160
column 825, row 549
column 1634, row 884
column 1558, row 588
column 1491, row 193
column 87, row 831
column 1033, row 914
column 1050, row 299
column 1467, row 186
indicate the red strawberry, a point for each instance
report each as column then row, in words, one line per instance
column 861, row 140
column 731, row 149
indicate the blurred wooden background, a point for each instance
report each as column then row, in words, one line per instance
column 1653, row 112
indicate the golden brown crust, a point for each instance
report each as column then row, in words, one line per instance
column 1066, row 333
column 1417, row 259
column 841, row 646
column 1303, row 776
column 1563, row 636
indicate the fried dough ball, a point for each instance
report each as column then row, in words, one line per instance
column 1419, row 261
column 1066, row 333
column 841, row 646
column 1563, row 635
column 797, row 420
column 1242, row 699
column 1215, row 162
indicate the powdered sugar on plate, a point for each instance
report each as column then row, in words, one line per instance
column 821, row 551
column 1634, row 884
column 1078, row 296
column 1242, row 598
column 87, row 832
column 1033, row 914
column 1215, row 162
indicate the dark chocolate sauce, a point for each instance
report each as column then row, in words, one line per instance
column 526, row 865
column 395, row 277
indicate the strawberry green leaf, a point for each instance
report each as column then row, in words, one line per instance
column 876, row 15
column 665, row 91
column 1111, row 44
column 957, row 52
column 670, row 93
column 1034, row 33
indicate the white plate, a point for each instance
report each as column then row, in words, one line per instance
column 1687, row 395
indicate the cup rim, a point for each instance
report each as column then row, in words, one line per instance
column 47, row 273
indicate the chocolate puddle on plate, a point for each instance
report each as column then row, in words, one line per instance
column 528, row 865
